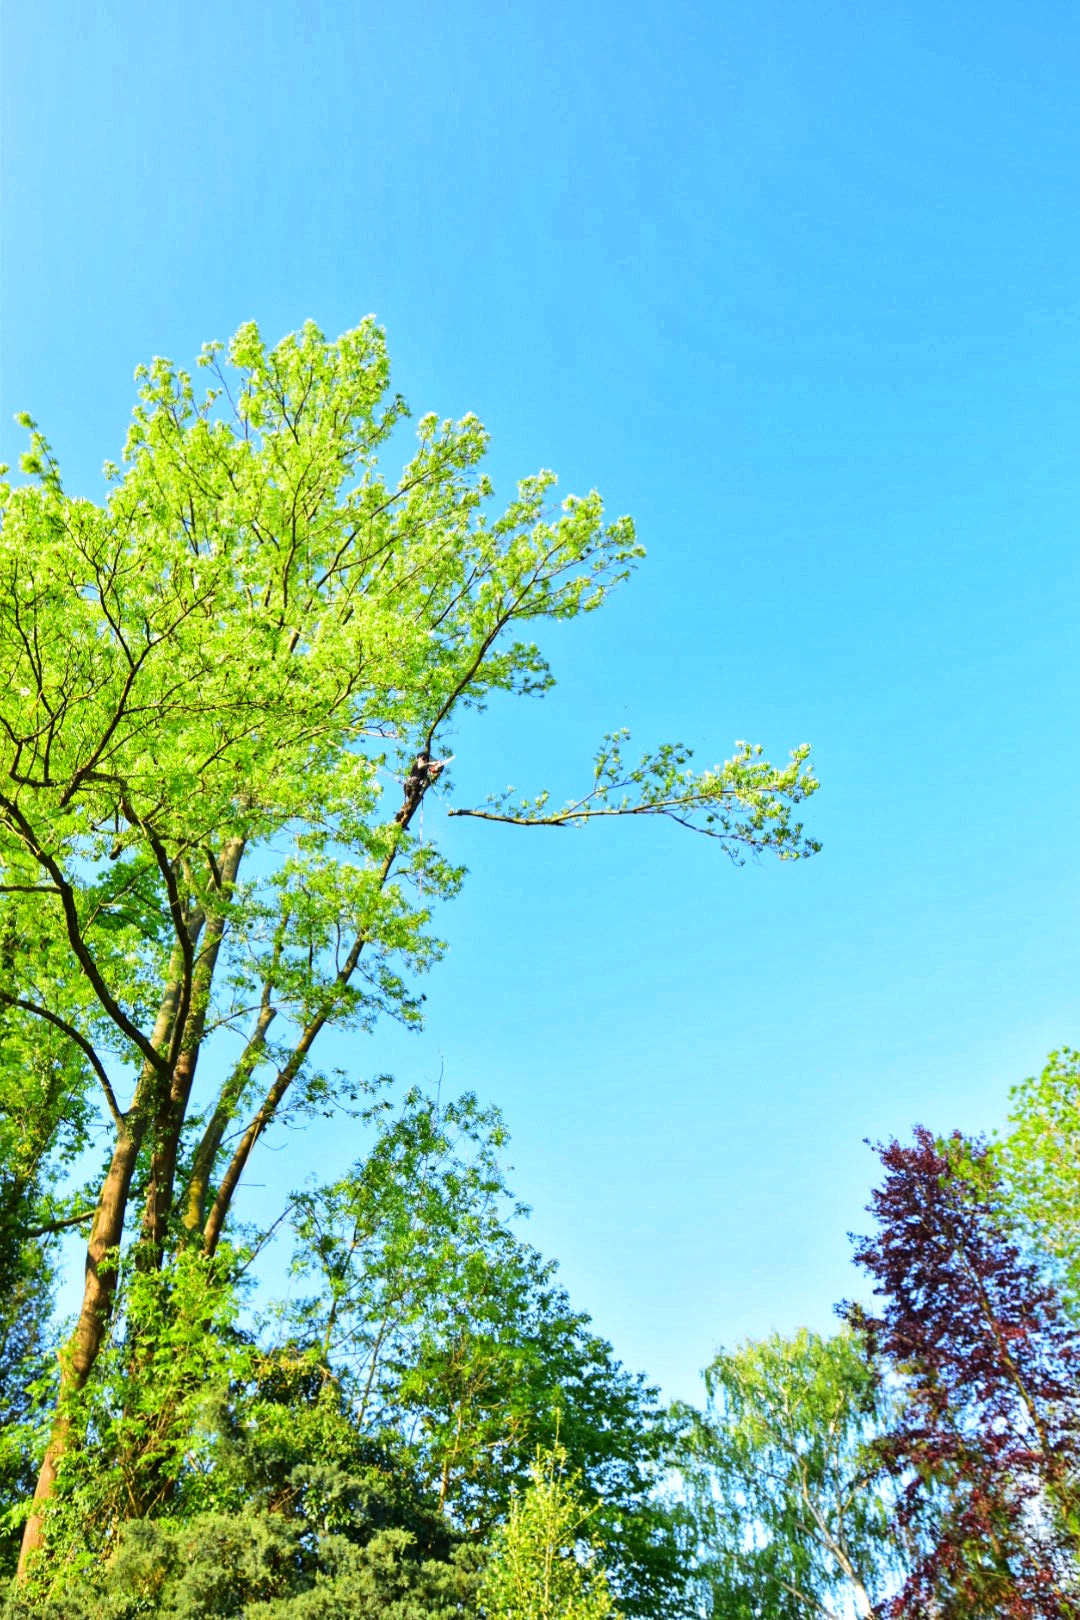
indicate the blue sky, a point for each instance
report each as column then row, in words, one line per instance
column 796, row 286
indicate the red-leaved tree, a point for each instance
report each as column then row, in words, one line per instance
column 986, row 1444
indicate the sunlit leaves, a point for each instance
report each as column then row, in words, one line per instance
column 745, row 804
column 1039, row 1164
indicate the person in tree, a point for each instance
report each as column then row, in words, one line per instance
column 423, row 772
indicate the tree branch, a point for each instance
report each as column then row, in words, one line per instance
column 80, row 1040
column 215, row 1221
column 179, row 922
column 83, row 955
column 581, row 811
column 59, row 1225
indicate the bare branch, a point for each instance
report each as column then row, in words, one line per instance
column 59, row 1225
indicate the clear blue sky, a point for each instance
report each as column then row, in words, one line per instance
column 796, row 285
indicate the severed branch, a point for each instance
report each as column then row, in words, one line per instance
column 578, row 811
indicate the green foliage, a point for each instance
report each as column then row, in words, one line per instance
column 781, row 1483
column 400, row 1409
column 257, row 1567
column 143, row 1428
column 543, row 1564
column 1037, row 1166
column 25, row 1305
column 277, row 1499
column 250, row 635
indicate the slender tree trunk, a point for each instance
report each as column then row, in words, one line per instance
column 173, row 1103
column 79, row 1355
column 219, row 1209
column 197, row 1193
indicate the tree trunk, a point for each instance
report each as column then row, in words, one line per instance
column 79, row 1355
column 173, row 1101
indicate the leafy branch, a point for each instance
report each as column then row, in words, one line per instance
column 745, row 803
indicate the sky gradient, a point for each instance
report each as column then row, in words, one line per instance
column 797, row 287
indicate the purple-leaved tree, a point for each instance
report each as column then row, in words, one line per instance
column 986, row 1444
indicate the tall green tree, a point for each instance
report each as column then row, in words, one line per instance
column 455, row 1346
column 782, row 1482
column 224, row 694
